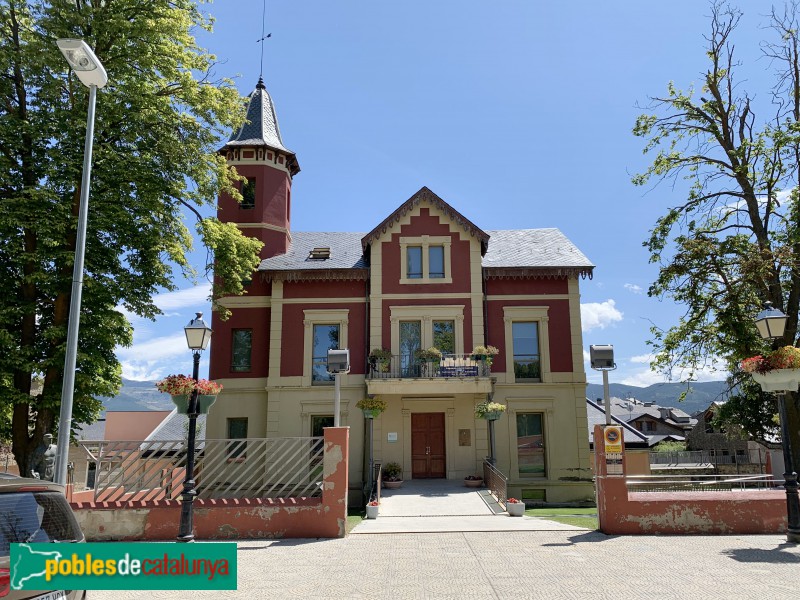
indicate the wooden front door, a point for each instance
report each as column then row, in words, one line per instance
column 427, row 446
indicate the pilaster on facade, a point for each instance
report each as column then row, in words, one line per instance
column 576, row 332
column 275, row 333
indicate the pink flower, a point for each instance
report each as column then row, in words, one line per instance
column 512, row 501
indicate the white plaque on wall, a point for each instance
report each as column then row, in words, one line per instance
column 391, row 436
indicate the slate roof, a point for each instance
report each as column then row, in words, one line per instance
column 546, row 248
column 94, row 432
column 174, row 427
column 596, row 415
column 510, row 248
column 346, row 252
column 261, row 126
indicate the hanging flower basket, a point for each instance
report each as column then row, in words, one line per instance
column 491, row 411
column 371, row 407
column 181, row 401
column 204, row 402
column 779, row 380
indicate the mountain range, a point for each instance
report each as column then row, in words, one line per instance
column 143, row 395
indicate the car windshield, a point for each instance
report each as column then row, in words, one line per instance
column 35, row 517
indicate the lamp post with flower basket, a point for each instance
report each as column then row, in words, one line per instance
column 779, row 372
column 192, row 396
column 491, row 411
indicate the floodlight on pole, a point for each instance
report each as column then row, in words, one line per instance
column 601, row 358
column 92, row 74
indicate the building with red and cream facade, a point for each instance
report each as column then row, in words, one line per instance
column 426, row 276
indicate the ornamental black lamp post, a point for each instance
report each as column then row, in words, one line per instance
column 771, row 323
column 198, row 335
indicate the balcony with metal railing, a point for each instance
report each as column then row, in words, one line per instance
column 454, row 374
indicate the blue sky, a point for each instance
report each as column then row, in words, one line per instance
column 517, row 113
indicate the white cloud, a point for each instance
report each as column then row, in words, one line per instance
column 155, row 357
column 633, row 288
column 598, row 315
column 187, row 298
column 641, row 359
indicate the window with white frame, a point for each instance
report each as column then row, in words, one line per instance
column 324, row 329
column 526, row 349
column 415, row 327
column 425, row 259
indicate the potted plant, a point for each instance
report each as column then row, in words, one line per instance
column 371, row 407
column 380, row 358
column 485, row 353
column 429, row 359
column 372, row 509
column 392, row 476
column 775, row 371
column 180, row 388
column 473, row 481
column 491, row 411
column 515, row 508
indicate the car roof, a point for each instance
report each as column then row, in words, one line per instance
column 12, row 483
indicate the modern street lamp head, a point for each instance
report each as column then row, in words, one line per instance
column 770, row 322
column 602, row 357
column 83, row 61
column 198, row 334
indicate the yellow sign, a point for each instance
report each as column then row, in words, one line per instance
column 613, row 437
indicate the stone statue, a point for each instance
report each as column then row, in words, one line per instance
column 45, row 461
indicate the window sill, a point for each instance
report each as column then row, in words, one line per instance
column 425, row 280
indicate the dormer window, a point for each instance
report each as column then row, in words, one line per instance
column 425, row 259
column 319, row 254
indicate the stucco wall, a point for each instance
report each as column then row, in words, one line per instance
column 247, row 518
column 735, row 512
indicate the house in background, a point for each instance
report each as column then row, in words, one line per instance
column 637, row 444
column 732, row 451
column 659, row 423
column 425, row 276
column 116, row 426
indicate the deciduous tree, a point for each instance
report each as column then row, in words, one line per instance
column 734, row 241
column 158, row 125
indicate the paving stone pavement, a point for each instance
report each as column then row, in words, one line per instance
column 511, row 564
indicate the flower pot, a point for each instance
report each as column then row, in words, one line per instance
column 204, row 403
column 493, row 415
column 181, row 401
column 372, row 511
column 515, row 509
column 392, row 485
column 473, row 483
column 779, row 380
column 370, row 413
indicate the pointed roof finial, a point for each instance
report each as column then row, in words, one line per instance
column 260, row 85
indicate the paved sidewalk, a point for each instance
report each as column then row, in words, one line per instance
column 520, row 565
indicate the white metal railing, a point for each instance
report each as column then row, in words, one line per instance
column 710, row 457
column 409, row 367
column 238, row 468
column 699, row 483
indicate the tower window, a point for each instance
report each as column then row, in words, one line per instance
column 249, row 193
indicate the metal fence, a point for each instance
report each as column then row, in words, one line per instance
column 497, row 483
column 409, row 367
column 700, row 483
column 710, row 457
column 234, row 468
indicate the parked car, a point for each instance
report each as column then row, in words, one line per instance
column 35, row 511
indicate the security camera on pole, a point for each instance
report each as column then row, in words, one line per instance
column 338, row 363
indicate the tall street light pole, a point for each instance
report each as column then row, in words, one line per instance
column 92, row 74
column 771, row 323
column 198, row 335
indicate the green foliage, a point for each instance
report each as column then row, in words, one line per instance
column 158, row 127
column 733, row 241
column 669, row 446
